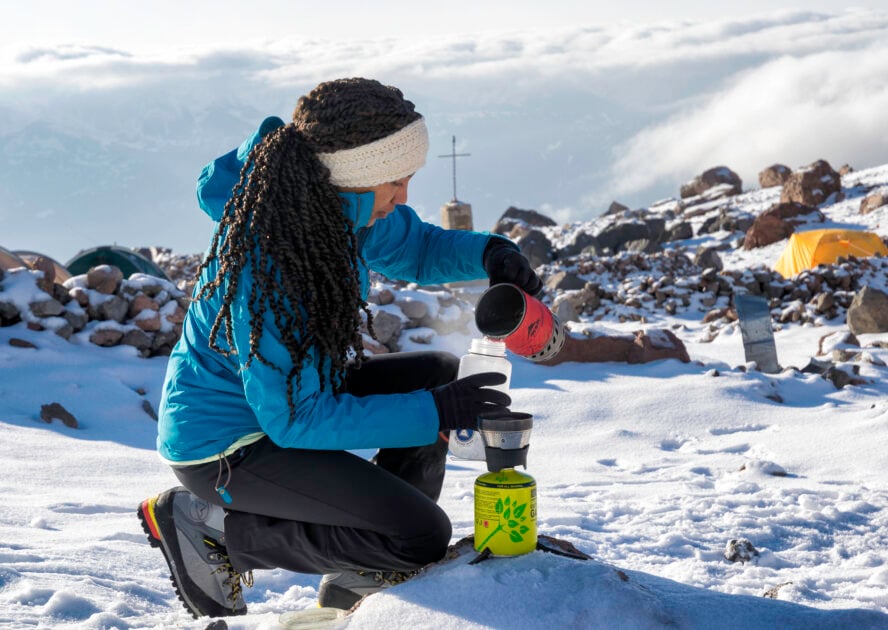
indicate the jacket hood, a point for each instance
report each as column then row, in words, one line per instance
column 219, row 177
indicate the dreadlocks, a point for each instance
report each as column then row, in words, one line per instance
column 284, row 225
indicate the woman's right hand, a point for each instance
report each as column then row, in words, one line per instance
column 460, row 402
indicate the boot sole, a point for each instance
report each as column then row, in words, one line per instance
column 333, row 596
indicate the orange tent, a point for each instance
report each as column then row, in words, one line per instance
column 9, row 260
column 806, row 250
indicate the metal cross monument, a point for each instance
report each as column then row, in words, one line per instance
column 453, row 154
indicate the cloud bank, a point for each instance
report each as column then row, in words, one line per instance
column 791, row 110
column 559, row 120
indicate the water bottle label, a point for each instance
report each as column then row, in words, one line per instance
column 467, row 444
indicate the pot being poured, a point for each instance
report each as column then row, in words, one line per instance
column 505, row 312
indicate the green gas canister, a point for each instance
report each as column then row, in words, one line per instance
column 506, row 499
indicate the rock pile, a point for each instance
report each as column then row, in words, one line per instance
column 632, row 264
column 641, row 265
column 180, row 269
column 638, row 287
column 402, row 311
column 141, row 311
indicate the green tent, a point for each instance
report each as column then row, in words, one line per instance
column 127, row 260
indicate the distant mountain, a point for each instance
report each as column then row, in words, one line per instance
column 123, row 170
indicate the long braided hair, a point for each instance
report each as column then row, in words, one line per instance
column 285, row 223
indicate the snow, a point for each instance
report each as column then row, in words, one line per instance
column 650, row 469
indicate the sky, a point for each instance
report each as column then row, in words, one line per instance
column 650, row 469
column 156, row 25
column 108, row 110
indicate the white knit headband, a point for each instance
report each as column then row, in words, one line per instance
column 381, row 161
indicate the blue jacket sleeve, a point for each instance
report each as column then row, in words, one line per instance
column 322, row 420
column 403, row 247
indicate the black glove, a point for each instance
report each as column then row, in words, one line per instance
column 460, row 402
column 504, row 263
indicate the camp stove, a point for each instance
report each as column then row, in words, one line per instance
column 505, row 499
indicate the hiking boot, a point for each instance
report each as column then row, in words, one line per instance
column 188, row 531
column 343, row 590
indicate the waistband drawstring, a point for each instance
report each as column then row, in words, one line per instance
column 220, row 487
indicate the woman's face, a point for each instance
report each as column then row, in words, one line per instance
column 385, row 197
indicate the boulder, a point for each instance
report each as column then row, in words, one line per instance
column 615, row 208
column 774, row 175
column 536, row 247
column 163, row 342
column 564, row 309
column 386, row 327
column 55, row 411
column 640, row 347
column 141, row 302
column 148, row 321
column 614, row 237
column 106, row 337
column 812, row 185
column 740, row 550
column 824, row 304
column 874, row 201
column 727, row 221
column 374, row 347
column 104, row 279
column 46, row 308
column 381, row 297
column 767, row 229
column 868, row 312
column 564, row 281
column 778, row 222
column 513, row 216
column 582, row 242
column 114, row 308
column 46, row 283
column 679, row 232
column 413, row 309
column 137, row 338
column 174, row 315
column 569, row 305
column 711, row 178
column 708, row 258
column 641, row 246
column 80, row 296
column 833, row 341
column 656, row 229
column 77, row 317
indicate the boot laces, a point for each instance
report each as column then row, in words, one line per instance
column 389, row 578
column 233, row 579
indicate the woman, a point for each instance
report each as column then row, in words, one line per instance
column 268, row 387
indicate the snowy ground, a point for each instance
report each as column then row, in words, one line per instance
column 650, row 469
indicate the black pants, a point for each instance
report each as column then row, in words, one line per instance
column 314, row 511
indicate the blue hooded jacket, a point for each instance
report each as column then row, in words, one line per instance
column 210, row 401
